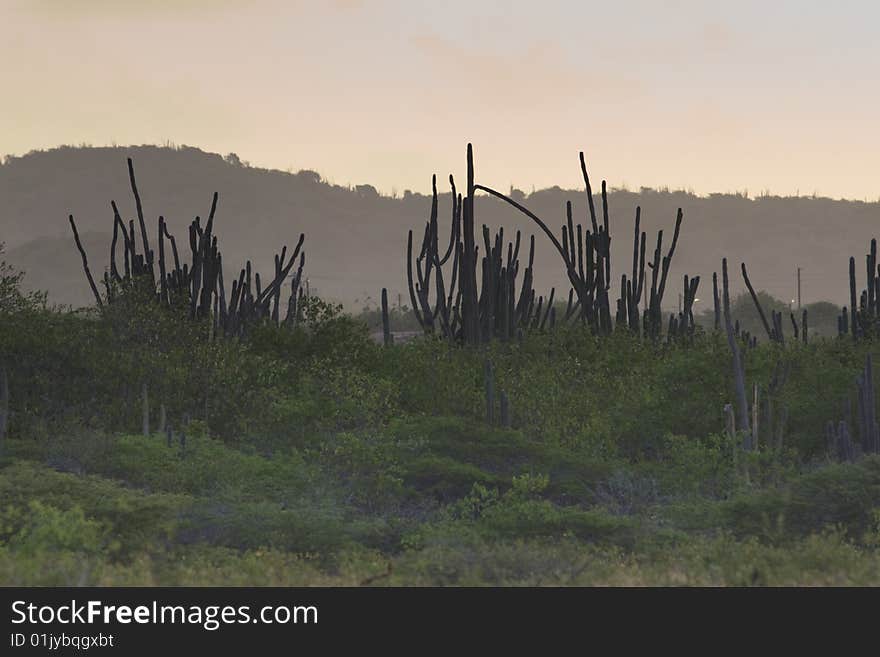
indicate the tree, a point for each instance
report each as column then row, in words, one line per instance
column 12, row 299
column 822, row 317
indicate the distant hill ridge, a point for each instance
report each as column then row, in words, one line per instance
column 356, row 237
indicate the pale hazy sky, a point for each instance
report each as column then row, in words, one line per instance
column 711, row 96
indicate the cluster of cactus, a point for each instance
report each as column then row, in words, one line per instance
column 839, row 439
column 768, row 410
column 867, row 408
column 196, row 286
column 862, row 316
column 773, row 328
column 746, row 337
column 765, row 411
column 682, row 326
column 586, row 255
column 462, row 310
column 499, row 310
column 772, row 411
column 470, row 313
column 742, row 335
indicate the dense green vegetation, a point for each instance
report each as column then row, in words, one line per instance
column 316, row 456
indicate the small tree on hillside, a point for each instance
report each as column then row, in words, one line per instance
column 12, row 299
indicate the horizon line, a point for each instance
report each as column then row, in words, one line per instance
column 394, row 194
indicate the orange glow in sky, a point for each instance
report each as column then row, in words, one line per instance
column 680, row 94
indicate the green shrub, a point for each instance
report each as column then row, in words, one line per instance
column 842, row 495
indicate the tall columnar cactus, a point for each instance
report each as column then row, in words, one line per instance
column 196, row 286
column 867, row 406
column 773, row 410
column 772, row 333
column 838, row 436
column 854, row 325
column 474, row 313
column 85, row 262
column 715, row 301
column 462, row 309
column 739, row 378
column 683, row 326
column 386, row 322
column 862, row 316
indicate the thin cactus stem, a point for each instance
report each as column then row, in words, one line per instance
column 745, row 275
column 738, row 372
column 85, row 262
column 386, row 323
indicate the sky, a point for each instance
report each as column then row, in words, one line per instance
column 777, row 96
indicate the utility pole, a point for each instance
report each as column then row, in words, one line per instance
column 799, row 287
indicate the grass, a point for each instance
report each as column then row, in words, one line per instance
column 319, row 458
column 137, row 512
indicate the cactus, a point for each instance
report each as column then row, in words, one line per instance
column 738, row 370
column 775, row 423
column 852, row 298
column 864, row 307
column 771, row 333
column 683, row 327
column 497, row 311
column 85, row 262
column 461, row 309
column 386, row 323
column 866, row 403
column 716, row 305
column 840, row 444
column 197, row 285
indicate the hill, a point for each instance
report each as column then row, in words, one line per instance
column 356, row 238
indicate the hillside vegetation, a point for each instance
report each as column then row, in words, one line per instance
column 199, row 424
column 315, row 456
column 357, row 237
